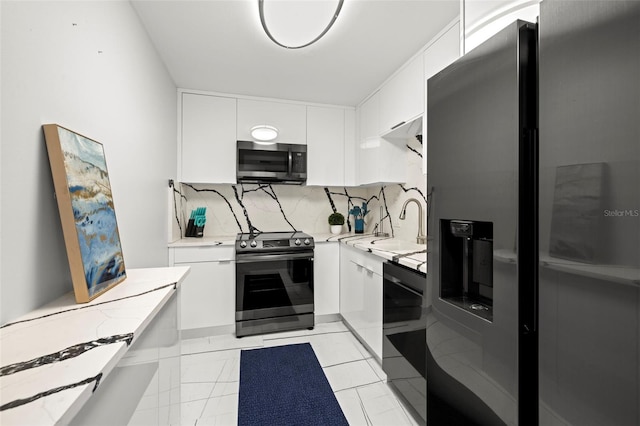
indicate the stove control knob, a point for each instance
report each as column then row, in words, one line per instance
column 306, row 242
column 243, row 244
column 253, row 243
column 297, row 242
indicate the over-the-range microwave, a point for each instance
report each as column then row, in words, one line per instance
column 274, row 163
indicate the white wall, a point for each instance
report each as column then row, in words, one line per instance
column 88, row 66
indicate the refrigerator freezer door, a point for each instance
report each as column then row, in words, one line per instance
column 589, row 315
column 481, row 110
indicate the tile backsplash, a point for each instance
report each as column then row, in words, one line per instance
column 271, row 208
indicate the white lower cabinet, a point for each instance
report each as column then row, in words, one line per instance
column 207, row 295
column 326, row 278
column 361, row 296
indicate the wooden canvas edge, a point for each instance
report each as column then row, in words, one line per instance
column 63, row 198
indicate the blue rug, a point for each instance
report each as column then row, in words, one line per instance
column 285, row 385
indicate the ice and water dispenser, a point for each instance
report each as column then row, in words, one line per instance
column 466, row 255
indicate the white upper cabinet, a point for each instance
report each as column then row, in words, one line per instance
column 402, row 97
column 378, row 160
column 350, row 145
column 290, row 119
column 483, row 19
column 207, row 149
column 443, row 52
column 326, row 135
column 439, row 55
column 368, row 140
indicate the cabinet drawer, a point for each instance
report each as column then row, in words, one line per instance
column 362, row 259
column 372, row 263
column 204, row 254
column 350, row 254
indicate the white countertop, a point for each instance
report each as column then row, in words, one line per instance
column 53, row 358
column 405, row 253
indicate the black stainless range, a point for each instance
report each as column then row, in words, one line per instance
column 274, row 282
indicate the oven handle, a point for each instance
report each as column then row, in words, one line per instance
column 247, row 258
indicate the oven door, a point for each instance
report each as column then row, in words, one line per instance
column 282, row 163
column 404, row 335
column 262, row 162
column 273, row 285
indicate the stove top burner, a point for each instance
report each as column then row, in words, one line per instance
column 273, row 241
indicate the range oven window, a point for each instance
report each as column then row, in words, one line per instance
column 253, row 160
column 273, row 285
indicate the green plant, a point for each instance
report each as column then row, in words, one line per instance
column 336, row 219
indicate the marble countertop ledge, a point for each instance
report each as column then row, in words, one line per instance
column 54, row 358
column 403, row 252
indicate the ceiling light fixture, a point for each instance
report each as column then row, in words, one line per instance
column 264, row 133
column 266, row 30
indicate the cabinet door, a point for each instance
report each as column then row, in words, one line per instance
column 369, row 141
column 379, row 160
column 402, row 97
column 372, row 311
column 208, row 143
column 207, row 295
column 351, row 287
column 382, row 161
column 325, row 146
column 326, row 277
column 442, row 52
column 437, row 57
column 361, row 296
column 350, row 157
column 289, row 119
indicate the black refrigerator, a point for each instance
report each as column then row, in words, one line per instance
column 533, row 267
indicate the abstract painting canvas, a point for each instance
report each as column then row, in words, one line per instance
column 88, row 217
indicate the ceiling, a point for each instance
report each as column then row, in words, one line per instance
column 219, row 46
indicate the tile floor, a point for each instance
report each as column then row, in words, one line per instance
column 210, row 376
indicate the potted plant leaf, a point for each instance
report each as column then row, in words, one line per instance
column 336, row 220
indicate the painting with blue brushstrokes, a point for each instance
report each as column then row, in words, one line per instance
column 87, row 213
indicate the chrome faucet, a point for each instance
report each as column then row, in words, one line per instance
column 421, row 238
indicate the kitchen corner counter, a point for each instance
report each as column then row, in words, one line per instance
column 55, row 357
column 403, row 252
column 218, row 240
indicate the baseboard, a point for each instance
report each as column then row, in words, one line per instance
column 361, row 340
column 195, row 333
column 323, row 319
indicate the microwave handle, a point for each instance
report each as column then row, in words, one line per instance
column 289, row 169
